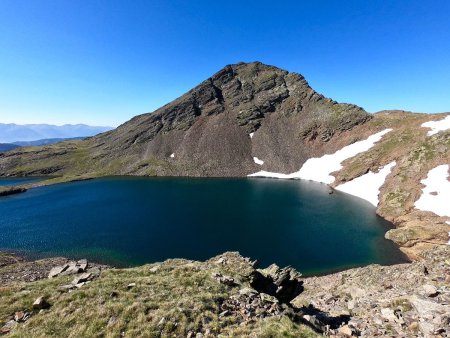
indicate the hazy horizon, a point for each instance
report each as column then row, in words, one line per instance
column 101, row 63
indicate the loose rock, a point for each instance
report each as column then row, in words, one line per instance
column 430, row 290
column 41, row 303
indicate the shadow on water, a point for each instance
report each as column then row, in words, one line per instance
column 126, row 221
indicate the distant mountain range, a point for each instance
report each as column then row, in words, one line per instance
column 43, row 142
column 15, row 134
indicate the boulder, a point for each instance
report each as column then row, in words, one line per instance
column 284, row 284
column 346, row 330
column 70, row 268
column 21, row 316
column 388, row 314
column 227, row 280
column 41, row 303
column 8, row 327
column 83, row 278
column 57, row 270
column 430, row 290
column 154, row 269
column 83, row 263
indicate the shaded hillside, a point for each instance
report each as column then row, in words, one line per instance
column 207, row 131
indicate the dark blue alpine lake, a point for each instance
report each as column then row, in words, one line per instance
column 128, row 221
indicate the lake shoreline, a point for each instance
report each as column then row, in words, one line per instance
column 303, row 216
column 405, row 247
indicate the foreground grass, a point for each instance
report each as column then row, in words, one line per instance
column 171, row 299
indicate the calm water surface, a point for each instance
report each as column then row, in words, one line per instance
column 131, row 221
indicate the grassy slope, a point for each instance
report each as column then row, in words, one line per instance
column 182, row 292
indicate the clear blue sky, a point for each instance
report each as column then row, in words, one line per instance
column 103, row 61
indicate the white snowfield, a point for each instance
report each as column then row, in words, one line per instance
column 251, row 135
column 258, row 161
column 172, row 155
column 437, row 126
column 436, row 193
column 319, row 169
column 367, row 186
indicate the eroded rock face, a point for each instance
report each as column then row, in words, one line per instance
column 284, row 284
column 208, row 129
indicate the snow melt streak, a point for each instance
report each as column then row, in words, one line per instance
column 367, row 186
column 437, row 126
column 436, row 193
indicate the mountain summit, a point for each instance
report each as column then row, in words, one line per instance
column 207, row 129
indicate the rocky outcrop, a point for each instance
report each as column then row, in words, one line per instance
column 16, row 269
column 407, row 300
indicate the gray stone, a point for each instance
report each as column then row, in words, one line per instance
column 40, row 303
column 57, row 270
column 346, row 330
column 84, row 277
column 268, row 298
column 154, row 269
column 430, row 290
column 83, row 263
column 21, row 316
column 8, row 326
column 66, row 288
column 388, row 314
column 247, row 291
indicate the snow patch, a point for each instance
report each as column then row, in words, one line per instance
column 251, row 135
column 436, row 193
column 319, row 169
column 172, row 155
column 367, row 186
column 269, row 174
column 258, row 161
column 437, row 126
